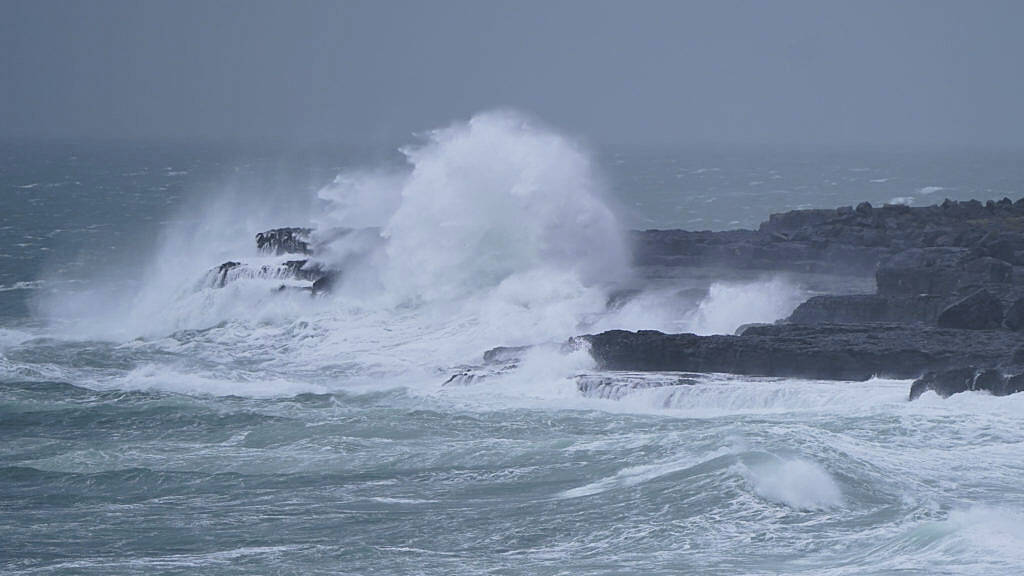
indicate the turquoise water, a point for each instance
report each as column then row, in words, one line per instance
column 150, row 426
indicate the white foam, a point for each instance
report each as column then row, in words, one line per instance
column 494, row 233
column 717, row 395
column 627, row 477
column 994, row 530
column 21, row 286
column 494, row 197
column 795, row 482
column 158, row 377
column 730, row 305
column 10, row 337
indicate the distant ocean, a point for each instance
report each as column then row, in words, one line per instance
column 152, row 422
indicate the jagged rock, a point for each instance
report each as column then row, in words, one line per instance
column 944, row 383
column 284, row 241
column 948, row 382
column 222, row 273
column 979, row 311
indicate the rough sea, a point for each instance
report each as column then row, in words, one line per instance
column 151, row 423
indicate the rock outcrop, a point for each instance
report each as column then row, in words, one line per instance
column 948, row 308
column 979, row 311
column 969, row 378
column 845, row 239
column 828, row 352
column 284, row 241
column 868, row 309
column 948, row 305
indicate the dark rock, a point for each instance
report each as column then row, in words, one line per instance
column 1010, row 385
column 979, row 311
column 854, row 241
column 867, row 308
column 945, row 383
column 940, row 271
column 987, row 270
column 922, row 271
column 301, row 270
column 284, row 241
column 222, row 272
column 833, row 352
column 989, row 379
column 1014, row 318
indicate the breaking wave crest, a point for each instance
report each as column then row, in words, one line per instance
column 494, row 232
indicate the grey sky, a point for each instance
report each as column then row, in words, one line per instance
column 867, row 73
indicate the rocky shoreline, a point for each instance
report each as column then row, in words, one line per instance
column 947, row 310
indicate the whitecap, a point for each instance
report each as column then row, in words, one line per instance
column 795, row 482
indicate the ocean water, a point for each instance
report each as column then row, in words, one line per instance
column 152, row 423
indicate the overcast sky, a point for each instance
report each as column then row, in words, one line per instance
column 886, row 73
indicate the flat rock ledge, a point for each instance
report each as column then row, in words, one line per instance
column 823, row 352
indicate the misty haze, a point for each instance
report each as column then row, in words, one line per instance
column 454, row 287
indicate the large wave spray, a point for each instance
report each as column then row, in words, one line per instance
column 481, row 202
column 494, row 232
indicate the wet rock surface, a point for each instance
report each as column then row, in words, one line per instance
column 970, row 378
column 947, row 308
column 315, row 268
column 828, row 352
